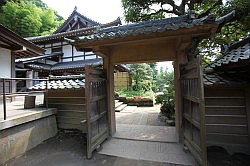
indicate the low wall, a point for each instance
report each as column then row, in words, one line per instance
column 22, row 134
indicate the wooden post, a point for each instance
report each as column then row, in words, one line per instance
column 177, row 87
column 247, row 99
column 4, row 101
column 109, row 70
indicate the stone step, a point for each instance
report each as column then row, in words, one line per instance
column 120, row 108
column 117, row 104
column 116, row 101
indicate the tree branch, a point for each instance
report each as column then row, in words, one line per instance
column 217, row 3
column 225, row 19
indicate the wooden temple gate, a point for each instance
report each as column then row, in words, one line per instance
column 171, row 39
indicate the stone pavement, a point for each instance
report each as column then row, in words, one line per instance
column 70, row 150
column 148, row 151
column 146, row 133
column 141, row 135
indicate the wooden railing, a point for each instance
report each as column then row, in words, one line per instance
column 6, row 91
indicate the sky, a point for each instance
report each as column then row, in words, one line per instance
column 102, row 11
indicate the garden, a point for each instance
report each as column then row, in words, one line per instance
column 150, row 86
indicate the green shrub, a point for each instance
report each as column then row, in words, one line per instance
column 160, row 98
column 167, row 108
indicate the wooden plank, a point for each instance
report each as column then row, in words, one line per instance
column 191, row 98
column 227, row 129
column 225, row 101
column 230, row 120
column 228, row 138
column 225, row 111
column 247, row 96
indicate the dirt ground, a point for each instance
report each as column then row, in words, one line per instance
column 68, row 149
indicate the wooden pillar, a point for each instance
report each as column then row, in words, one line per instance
column 109, row 69
column 180, row 59
column 177, row 87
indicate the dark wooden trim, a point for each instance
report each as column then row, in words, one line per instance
column 247, row 96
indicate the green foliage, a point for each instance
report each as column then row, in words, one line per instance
column 160, row 98
column 132, row 93
column 26, row 19
column 235, row 29
column 141, row 73
column 167, row 108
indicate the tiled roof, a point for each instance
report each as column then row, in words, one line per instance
column 73, row 33
column 74, row 14
column 237, row 52
column 60, row 84
column 38, row 66
column 76, row 64
column 38, row 57
column 146, row 27
column 64, row 65
column 215, row 79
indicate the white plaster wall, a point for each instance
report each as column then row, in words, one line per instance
column 48, row 51
column 67, row 52
column 77, row 52
column 5, row 63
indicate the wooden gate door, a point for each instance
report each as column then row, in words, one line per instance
column 193, row 113
column 97, row 110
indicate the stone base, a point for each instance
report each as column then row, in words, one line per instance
column 18, row 139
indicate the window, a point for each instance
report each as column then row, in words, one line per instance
column 56, row 50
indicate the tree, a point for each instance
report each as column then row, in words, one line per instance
column 142, row 75
column 234, row 29
column 26, row 19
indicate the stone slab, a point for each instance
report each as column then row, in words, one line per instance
column 27, row 116
column 146, row 133
column 148, row 151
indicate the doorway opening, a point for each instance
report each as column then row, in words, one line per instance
column 145, row 115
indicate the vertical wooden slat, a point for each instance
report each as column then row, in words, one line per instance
column 247, row 98
column 88, row 109
column 202, row 111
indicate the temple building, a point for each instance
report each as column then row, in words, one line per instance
column 61, row 57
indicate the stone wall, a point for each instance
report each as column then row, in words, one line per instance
column 20, row 138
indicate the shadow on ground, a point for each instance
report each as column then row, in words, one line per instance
column 69, row 149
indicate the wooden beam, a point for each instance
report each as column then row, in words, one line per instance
column 109, row 70
column 140, row 52
column 101, row 51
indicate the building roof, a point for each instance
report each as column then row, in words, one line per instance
column 75, row 17
column 73, row 33
column 74, row 83
column 64, row 65
column 145, row 27
column 232, row 68
column 222, row 79
column 235, row 53
column 20, row 46
column 38, row 57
